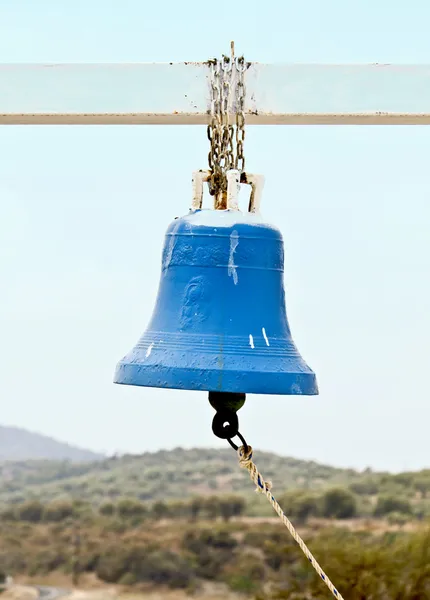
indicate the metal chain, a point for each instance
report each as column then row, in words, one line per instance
column 220, row 132
column 227, row 153
column 214, row 127
column 241, row 67
column 222, row 155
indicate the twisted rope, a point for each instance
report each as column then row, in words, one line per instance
column 264, row 487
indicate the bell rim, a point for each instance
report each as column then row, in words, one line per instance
column 213, row 380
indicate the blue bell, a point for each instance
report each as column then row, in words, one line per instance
column 220, row 322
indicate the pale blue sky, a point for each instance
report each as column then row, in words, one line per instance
column 82, row 222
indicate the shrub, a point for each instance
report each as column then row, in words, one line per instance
column 57, row 511
column 196, row 541
column 128, row 579
column 165, row 568
column 107, row 509
column 46, row 560
column 231, row 506
column 112, row 564
column 300, row 505
column 245, row 575
column 258, row 538
column 389, row 504
column 211, row 550
column 339, row 504
column 31, row 511
column 127, row 508
column 160, row 510
column 280, row 554
column 397, row 518
column 422, row 485
column 144, row 564
column 8, row 515
column 366, row 487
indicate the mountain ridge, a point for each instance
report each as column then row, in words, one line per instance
column 18, row 444
column 162, row 475
column 60, row 472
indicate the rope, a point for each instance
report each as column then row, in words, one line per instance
column 264, row 487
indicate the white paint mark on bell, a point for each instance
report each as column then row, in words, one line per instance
column 251, row 341
column 150, row 347
column 265, row 337
column 234, row 241
column 171, row 246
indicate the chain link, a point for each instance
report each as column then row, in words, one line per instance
column 220, row 131
column 214, row 126
column 227, row 153
column 239, row 162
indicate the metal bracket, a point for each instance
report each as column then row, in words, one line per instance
column 234, row 180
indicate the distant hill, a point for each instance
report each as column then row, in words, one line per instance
column 181, row 474
column 18, row 444
column 167, row 475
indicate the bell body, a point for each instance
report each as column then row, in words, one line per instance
column 220, row 321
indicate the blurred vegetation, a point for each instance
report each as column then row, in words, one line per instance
column 183, row 517
column 182, row 474
column 161, row 475
column 133, row 547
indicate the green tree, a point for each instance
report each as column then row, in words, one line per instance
column 338, row 503
column 245, row 575
column 112, row 564
column 160, row 510
column 212, row 507
column 161, row 567
column 31, row 511
column 300, row 505
column 365, row 487
column 397, row 518
column 196, row 507
column 128, row 508
column 211, row 551
column 107, row 509
column 403, row 479
column 231, row 506
column 178, row 509
column 8, row 515
column 422, row 485
column 391, row 504
column 58, row 511
column 141, row 563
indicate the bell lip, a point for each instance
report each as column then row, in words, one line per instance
column 250, row 382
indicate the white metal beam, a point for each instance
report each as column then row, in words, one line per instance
column 178, row 93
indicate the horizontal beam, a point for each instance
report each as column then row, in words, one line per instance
column 178, row 93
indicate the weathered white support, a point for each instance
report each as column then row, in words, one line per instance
column 178, row 93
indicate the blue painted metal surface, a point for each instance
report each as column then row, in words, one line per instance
column 220, row 321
